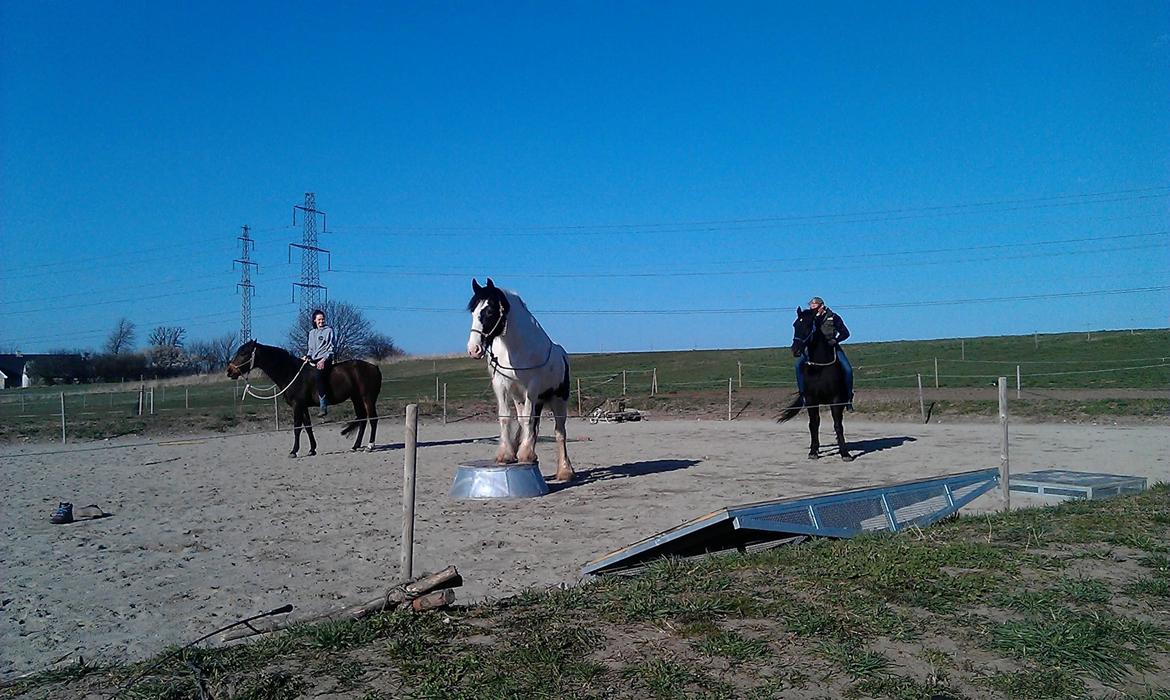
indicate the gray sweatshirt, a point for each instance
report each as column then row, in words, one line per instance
column 321, row 344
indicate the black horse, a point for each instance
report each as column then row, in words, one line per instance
column 824, row 382
column 354, row 380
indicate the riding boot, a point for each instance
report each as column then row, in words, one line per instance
column 324, row 408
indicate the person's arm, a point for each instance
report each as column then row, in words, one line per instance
column 327, row 346
column 842, row 331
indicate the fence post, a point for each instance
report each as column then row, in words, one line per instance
column 141, row 395
column 936, row 373
column 276, row 412
column 1017, row 381
column 444, row 403
column 62, row 418
column 729, row 398
column 152, row 401
column 187, row 398
column 921, row 401
column 408, row 473
column 623, row 382
column 963, row 347
column 654, row 382
column 580, row 413
column 739, row 366
column 1036, row 340
column 436, row 387
column 1005, row 472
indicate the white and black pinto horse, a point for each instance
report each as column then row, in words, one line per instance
column 529, row 371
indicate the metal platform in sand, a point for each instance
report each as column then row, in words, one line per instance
column 1062, row 485
column 483, row 478
column 838, row 514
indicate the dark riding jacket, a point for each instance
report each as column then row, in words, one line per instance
column 832, row 327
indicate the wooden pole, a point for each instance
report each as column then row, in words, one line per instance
column 1017, row 381
column 580, row 413
column 408, row 472
column 276, row 412
column 1036, row 340
column 936, row 373
column 187, row 398
column 436, row 387
column 654, row 383
column 444, row 403
column 140, row 399
column 62, row 418
column 152, row 401
column 921, row 400
column 729, row 398
column 623, row 382
column 739, row 366
column 963, row 347
column 1005, row 472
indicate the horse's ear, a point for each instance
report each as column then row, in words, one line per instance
column 475, row 285
column 491, row 284
column 798, row 310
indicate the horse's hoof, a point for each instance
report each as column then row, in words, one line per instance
column 355, row 448
column 312, row 453
column 814, row 455
column 846, row 457
column 292, row 455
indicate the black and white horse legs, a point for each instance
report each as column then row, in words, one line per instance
column 560, row 409
column 509, row 432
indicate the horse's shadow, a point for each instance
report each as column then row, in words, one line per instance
column 625, row 471
column 430, row 443
column 864, row 447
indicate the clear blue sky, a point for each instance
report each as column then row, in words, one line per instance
column 595, row 157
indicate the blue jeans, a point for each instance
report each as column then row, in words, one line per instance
column 845, row 367
column 323, row 380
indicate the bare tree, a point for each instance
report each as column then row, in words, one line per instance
column 351, row 331
column 166, row 347
column 223, row 349
column 380, row 346
column 121, row 340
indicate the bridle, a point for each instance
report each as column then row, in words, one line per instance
column 248, row 391
column 486, row 344
column 251, row 362
column 806, row 341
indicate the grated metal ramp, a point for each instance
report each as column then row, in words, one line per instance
column 1062, row 484
column 839, row 514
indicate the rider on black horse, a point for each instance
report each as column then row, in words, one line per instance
column 831, row 325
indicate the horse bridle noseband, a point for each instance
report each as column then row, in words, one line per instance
column 493, row 361
column 251, row 362
column 492, row 335
column 806, row 340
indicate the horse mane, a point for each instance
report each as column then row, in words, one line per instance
column 492, row 293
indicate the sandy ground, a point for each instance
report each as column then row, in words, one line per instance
column 207, row 530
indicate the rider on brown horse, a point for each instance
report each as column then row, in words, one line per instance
column 321, row 355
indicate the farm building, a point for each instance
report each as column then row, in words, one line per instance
column 14, row 371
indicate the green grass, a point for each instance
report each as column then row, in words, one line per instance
column 973, row 607
column 690, row 382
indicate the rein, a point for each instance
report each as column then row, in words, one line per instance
column 493, row 361
column 806, row 343
column 248, row 391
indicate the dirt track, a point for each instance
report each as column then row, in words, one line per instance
column 209, row 529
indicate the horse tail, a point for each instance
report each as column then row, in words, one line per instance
column 792, row 410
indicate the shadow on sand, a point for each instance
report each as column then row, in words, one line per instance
column 864, row 447
column 625, row 471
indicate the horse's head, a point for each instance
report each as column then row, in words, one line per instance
column 803, row 329
column 244, row 360
column 489, row 315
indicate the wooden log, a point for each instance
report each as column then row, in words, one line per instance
column 433, row 600
column 392, row 599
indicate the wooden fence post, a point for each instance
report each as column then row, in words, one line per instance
column 580, row 413
column 729, row 399
column 444, row 403
column 62, row 418
column 654, row 382
column 921, row 401
column 739, row 366
column 1005, row 472
column 623, row 382
column 936, row 373
column 1017, row 381
column 408, row 473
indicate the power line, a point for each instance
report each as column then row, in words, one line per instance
column 787, row 309
column 896, row 214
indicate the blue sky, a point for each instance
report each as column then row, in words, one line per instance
column 646, row 176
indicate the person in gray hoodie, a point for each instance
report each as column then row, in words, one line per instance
column 321, row 355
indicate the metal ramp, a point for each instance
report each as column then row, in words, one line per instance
column 839, row 514
column 1060, row 484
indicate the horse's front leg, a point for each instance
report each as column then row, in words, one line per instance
column 560, row 409
column 506, row 454
column 839, row 428
column 296, row 431
column 529, row 428
column 308, row 423
column 814, row 429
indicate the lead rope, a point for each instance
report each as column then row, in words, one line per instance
column 248, row 386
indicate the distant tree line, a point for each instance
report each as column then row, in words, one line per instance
column 168, row 353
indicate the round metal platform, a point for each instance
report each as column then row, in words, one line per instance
column 483, row 478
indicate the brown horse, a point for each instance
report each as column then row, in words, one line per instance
column 351, row 380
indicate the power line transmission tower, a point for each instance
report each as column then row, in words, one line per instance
column 310, row 283
column 245, row 286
